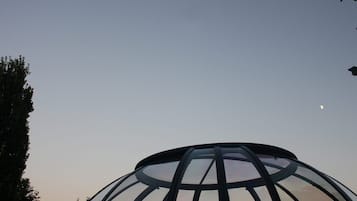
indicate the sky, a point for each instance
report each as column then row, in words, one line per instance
column 117, row 81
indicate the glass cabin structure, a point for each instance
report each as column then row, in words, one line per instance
column 225, row 172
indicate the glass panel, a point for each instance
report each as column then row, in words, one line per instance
column 271, row 170
column 273, row 164
column 196, row 170
column 282, row 194
column 319, row 181
column 157, row 194
column 203, row 153
column 263, row 193
column 127, row 182
column 274, row 161
column 239, row 194
column 350, row 194
column 185, row 195
column 237, row 170
column 238, row 156
column 163, row 172
column 131, row 193
column 209, row 196
column 211, row 177
column 99, row 196
column 308, row 184
column 303, row 190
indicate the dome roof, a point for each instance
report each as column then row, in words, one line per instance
column 224, row 172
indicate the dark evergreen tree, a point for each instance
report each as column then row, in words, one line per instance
column 26, row 192
column 15, row 106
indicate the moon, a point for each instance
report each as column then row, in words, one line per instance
column 322, row 107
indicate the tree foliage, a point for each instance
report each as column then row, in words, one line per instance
column 15, row 106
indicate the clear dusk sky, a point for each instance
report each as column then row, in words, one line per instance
column 116, row 81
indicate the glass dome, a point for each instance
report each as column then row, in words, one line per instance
column 225, row 172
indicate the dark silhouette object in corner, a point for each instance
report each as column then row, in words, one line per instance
column 15, row 108
column 353, row 70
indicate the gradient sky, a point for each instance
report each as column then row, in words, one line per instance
column 116, row 81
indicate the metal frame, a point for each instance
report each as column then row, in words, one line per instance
column 107, row 187
column 176, row 154
column 336, row 181
column 221, row 175
column 263, row 173
column 217, row 155
column 116, row 185
column 172, row 194
column 328, row 180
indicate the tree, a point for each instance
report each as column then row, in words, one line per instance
column 26, row 192
column 15, row 106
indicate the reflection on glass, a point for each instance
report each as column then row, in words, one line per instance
column 274, row 161
column 303, row 190
column 293, row 181
column 203, row 153
column 209, row 196
column 103, row 192
column 284, row 194
column 163, row 171
column 234, row 155
column 239, row 171
column 345, row 189
column 131, row 180
column 318, row 181
column 157, row 194
column 240, row 194
column 263, row 193
column 185, row 195
column 131, row 193
column 196, row 171
column 211, row 177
